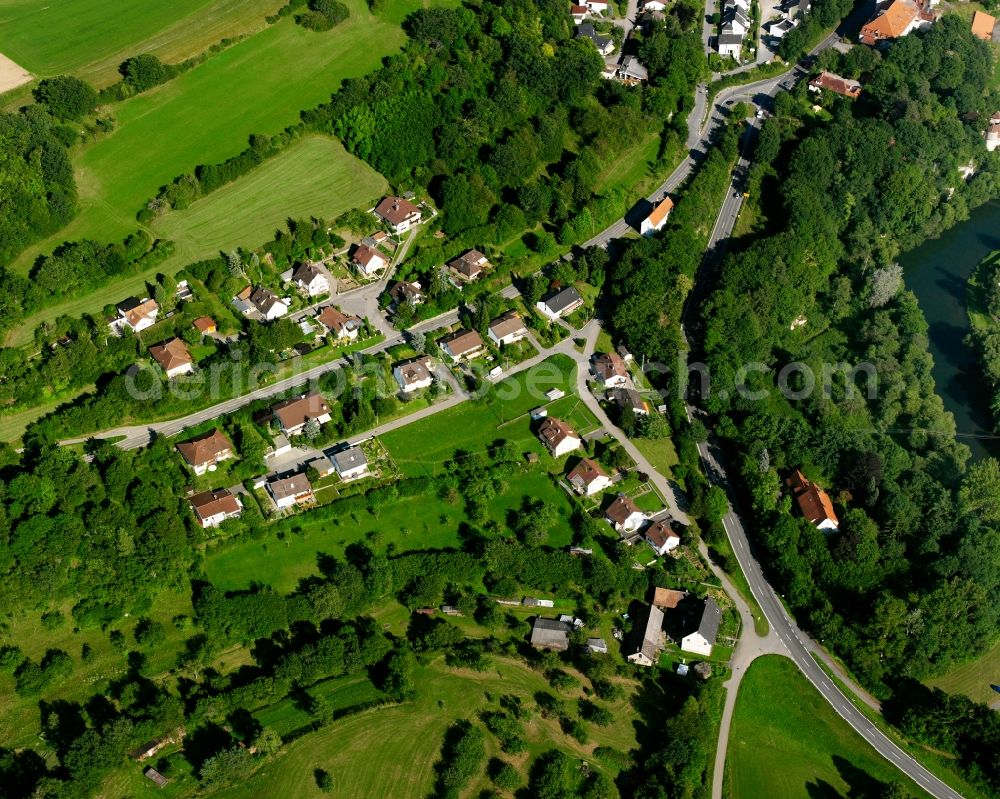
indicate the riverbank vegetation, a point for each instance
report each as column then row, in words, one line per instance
column 908, row 586
column 983, row 300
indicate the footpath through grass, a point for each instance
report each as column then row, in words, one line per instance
column 787, row 742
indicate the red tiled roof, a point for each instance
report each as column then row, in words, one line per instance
column 814, row 503
column 170, row 355
column 204, row 448
column 395, row 210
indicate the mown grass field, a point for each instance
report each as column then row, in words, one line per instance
column 257, row 86
column 974, row 678
column 802, row 750
column 314, row 177
column 90, row 38
column 391, row 751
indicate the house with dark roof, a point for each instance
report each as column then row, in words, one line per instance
column 588, row 478
column 647, row 640
column 398, row 213
column 260, row 300
column 624, row 515
column 729, row 44
column 550, row 634
column 173, row 357
column 403, row 291
column 605, row 44
column 467, row 267
column 310, row 280
column 813, row 502
column 609, row 369
column 212, row 508
column 203, row 453
column 293, row 414
column 369, row 260
column 558, row 437
column 628, row 399
column 662, row 537
column 701, row 636
column 560, row 303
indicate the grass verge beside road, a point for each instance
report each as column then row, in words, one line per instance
column 805, row 750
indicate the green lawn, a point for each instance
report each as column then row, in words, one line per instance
column 974, row 678
column 411, row 524
column 314, row 177
column 391, row 751
column 659, row 452
column 90, row 38
column 786, row 741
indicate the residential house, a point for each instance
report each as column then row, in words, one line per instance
column 266, row 303
column 597, row 645
column 662, row 538
column 624, row 515
column 204, row 325
column 351, row 463
column 310, row 280
column 462, row 344
column 609, row 369
column 203, row 453
column 845, row 87
column 398, row 213
column 212, row 508
column 507, row 329
column 982, row 26
column 730, row 45
column 629, row 399
column 588, row 478
column 657, row 217
column 289, row 491
column 558, row 437
column 596, row 6
column 368, row 260
column 410, row 293
column 604, row 44
column 550, row 634
column 242, row 302
column 647, row 639
column 340, row 325
column 668, row 598
column 578, row 13
column 895, row 20
column 293, row 414
column 631, row 71
column 468, row 267
column 136, row 315
column 183, row 291
column 813, row 502
column 654, row 5
column 414, row 374
column 560, row 303
column 701, row 637
column 735, row 20
column 173, row 357
column 778, row 29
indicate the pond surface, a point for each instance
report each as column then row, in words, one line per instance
column 937, row 272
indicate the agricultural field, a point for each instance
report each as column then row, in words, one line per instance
column 805, row 750
column 974, row 678
column 90, row 39
column 205, row 116
column 313, row 177
column 369, row 755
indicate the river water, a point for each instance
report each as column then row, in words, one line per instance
column 937, row 272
